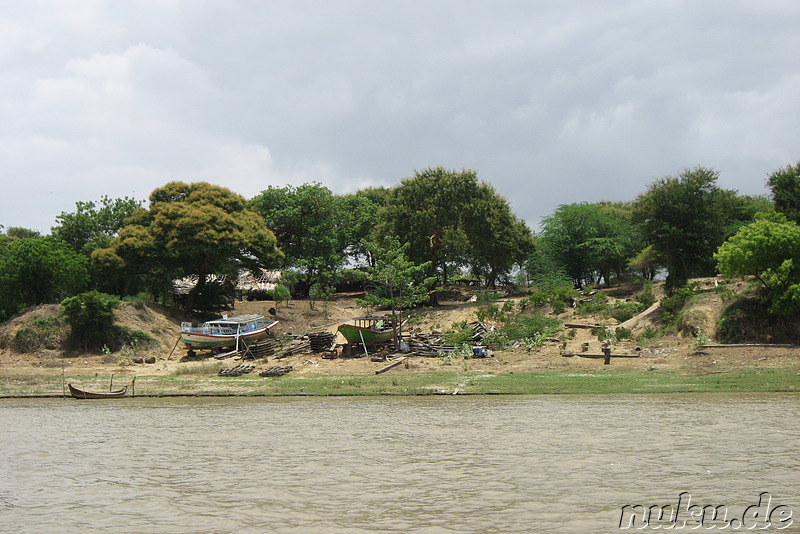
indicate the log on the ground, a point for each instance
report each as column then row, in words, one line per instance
column 751, row 345
column 276, row 370
column 321, row 341
column 297, row 348
column 238, row 370
column 391, row 365
column 587, row 355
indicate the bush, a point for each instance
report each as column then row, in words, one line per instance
column 531, row 326
column 460, row 334
column 502, row 314
column 41, row 333
column 555, row 296
column 599, row 305
column 91, row 318
column 672, row 306
column 646, row 297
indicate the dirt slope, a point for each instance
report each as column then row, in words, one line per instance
column 297, row 317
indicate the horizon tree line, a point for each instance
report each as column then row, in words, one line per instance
column 448, row 221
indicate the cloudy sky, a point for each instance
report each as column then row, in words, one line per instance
column 552, row 102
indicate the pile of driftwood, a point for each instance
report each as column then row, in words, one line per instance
column 432, row 345
column 427, row 345
column 277, row 370
column 480, row 329
column 238, row 370
column 297, row 347
column 259, row 349
column 321, row 341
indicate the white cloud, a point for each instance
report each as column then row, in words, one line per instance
column 552, row 102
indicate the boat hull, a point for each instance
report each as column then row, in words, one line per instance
column 83, row 394
column 213, row 336
column 211, row 341
column 367, row 336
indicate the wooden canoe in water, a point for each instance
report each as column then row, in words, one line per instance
column 83, row 394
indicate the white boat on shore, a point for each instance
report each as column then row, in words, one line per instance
column 227, row 331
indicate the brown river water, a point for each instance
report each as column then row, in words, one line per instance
column 487, row 464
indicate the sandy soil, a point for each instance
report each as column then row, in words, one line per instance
column 671, row 352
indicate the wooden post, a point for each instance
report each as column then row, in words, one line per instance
column 133, row 387
column 393, row 364
column 173, row 347
column 607, row 354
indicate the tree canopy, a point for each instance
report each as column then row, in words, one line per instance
column 192, row 229
column 685, row 219
column 589, row 241
column 451, row 219
column 769, row 249
column 38, row 270
column 314, row 227
column 93, row 225
column 785, row 186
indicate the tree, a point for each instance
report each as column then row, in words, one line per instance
column 192, row 229
column 785, row 186
column 91, row 319
column 589, row 241
column 397, row 282
column 314, row 228
column 451, row 220
column 497, row 239
column 685, row 219
column 93, row 225
column 36, row 271
column 768, row 249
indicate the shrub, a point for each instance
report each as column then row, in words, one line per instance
column 41, row 333
column 460, row 334
column 531, row 326
column 672, row 306
column 91, row 318
column 646, row 297
column 599, row 305
column 553, row 295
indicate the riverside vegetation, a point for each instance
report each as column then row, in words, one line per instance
column 530, row 334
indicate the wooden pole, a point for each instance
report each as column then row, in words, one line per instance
column 393, row 364
column 607, row 354
column 133, row 387
column 174, row 347
column 360, row 333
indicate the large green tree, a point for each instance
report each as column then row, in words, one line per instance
column 452, row 220
column 589, row 241
column 785, row 187
column 315, row 228
column 94, row 224
column 769, row 249
column 192, row 229
column 685, row 219
column 38, row 270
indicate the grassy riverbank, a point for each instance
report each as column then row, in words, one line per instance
column 754, row 380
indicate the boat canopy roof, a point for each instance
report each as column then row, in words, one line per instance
column 246, row 318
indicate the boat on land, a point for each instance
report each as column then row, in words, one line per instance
column 83, row 394
column 228, row 331
column 369, row 330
